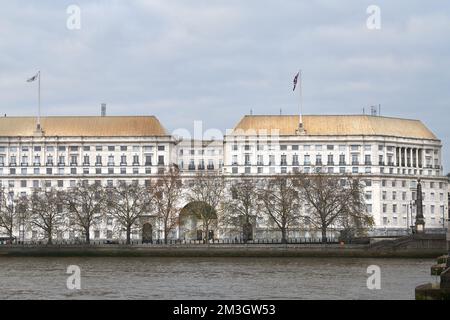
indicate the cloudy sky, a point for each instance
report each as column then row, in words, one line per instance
column 215, row 60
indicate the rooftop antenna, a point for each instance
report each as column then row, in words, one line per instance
column 379, row 109
column 373, row 110
column 251, row 112
column 281, row 111
column 103, row 112
column 364, row 110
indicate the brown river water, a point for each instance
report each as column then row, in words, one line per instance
column 211, row 278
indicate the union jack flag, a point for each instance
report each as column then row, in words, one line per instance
column 295, row 80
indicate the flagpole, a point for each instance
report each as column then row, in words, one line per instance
column 39, row 101
column 300, row 101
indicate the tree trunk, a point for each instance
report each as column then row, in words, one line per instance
column 50, row 239
column 10, row 234
column 165, row 234
column 88, row 236
column 128, row 234
column 324, row 234
column 283, row 235
column 207, row 232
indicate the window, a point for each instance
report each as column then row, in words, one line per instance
column 306, row 159
column 111, row 148
column 318, row 160
column 60, row 183
column 98, row 148
column 61, row 148
column 23, row 183
column 330, row 159
column 295, row 147
column 330, row 147
column 283, row 147
column 160, row 160
column 123, row 148
column 161, row 148
column 86, row 148
column 49, row 171
column 135, row 159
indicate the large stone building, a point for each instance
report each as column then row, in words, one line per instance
column 388, row 154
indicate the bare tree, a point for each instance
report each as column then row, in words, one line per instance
column 46, row 211
column 242, row 209
column 85, row 203
column 280, row 202
column 331, row 199
column 167, row 193
column 127, row 203
column 205, row 194
column 12, row 211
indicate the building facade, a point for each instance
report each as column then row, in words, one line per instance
column 388, row 154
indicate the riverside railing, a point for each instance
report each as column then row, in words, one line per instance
column 172, row 242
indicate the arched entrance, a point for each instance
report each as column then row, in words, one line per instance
column 147, row 233
column 198, row 221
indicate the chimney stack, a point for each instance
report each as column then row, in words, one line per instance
column 103, row 109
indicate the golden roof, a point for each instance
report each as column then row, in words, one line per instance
column 334, row 125
column 84, row 126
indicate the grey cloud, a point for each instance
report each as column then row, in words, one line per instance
column 216, row 60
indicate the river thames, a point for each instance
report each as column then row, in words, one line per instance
column 211, row 278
